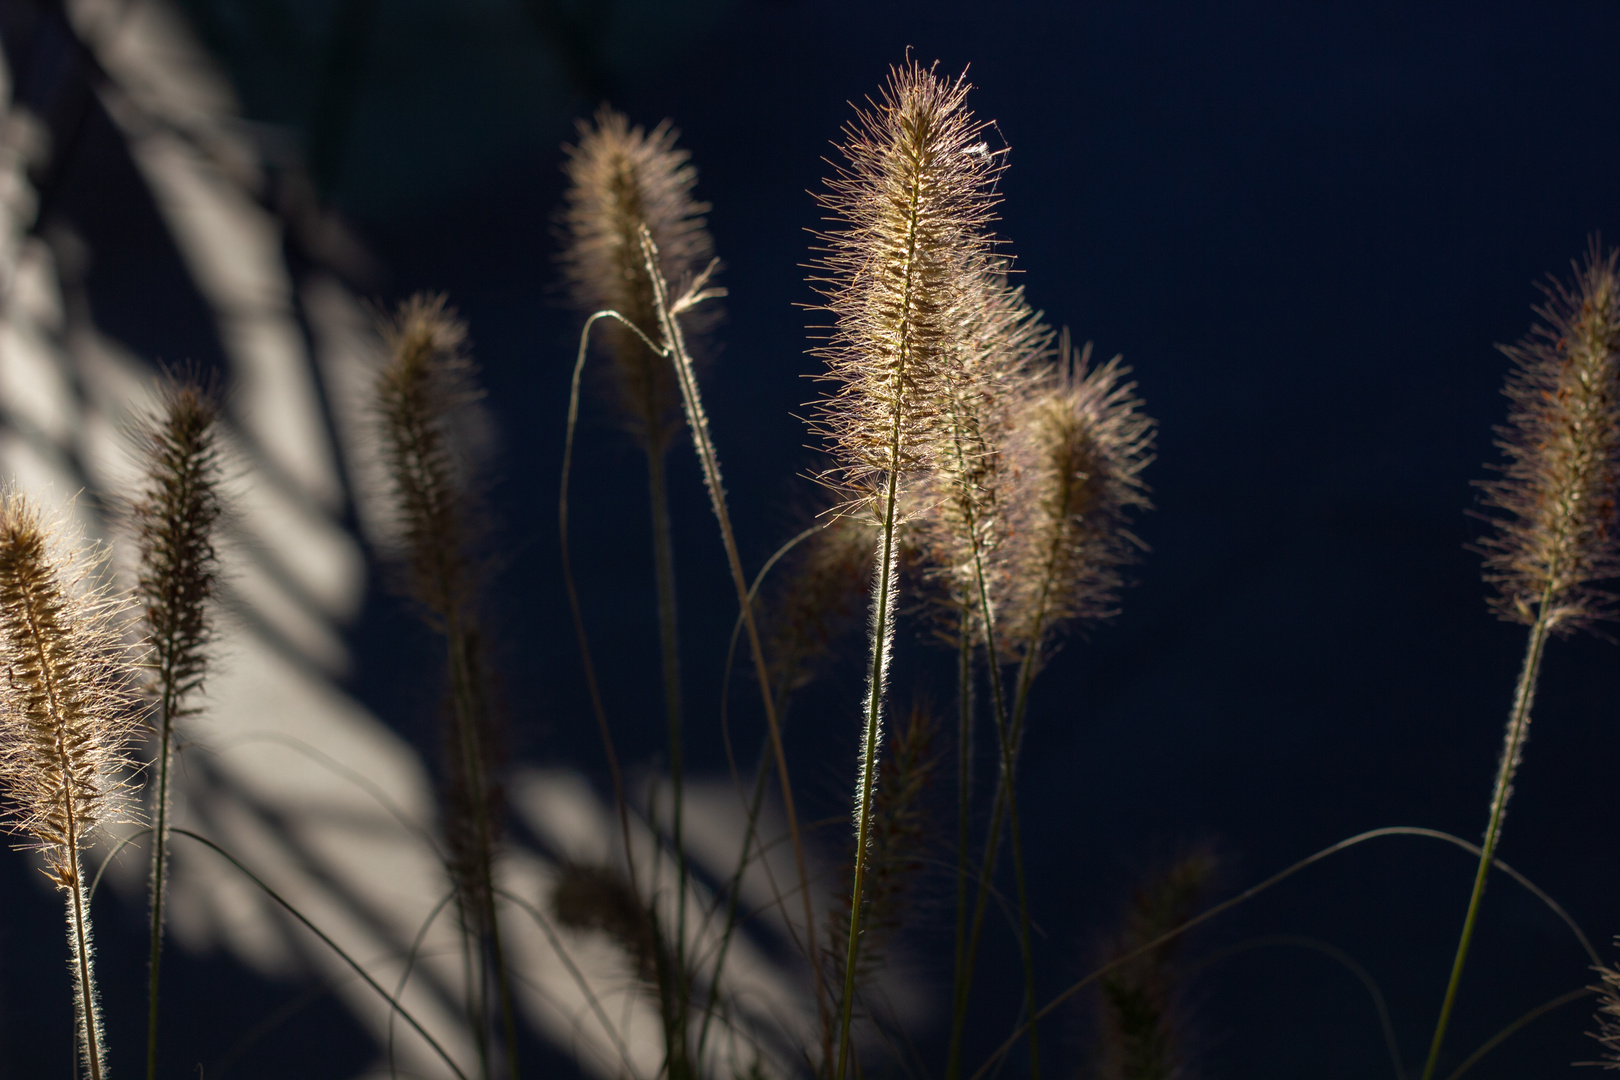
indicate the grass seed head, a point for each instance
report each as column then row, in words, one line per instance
column 174, row 517
column 621, row 178
column 899, row 271
column 1077, row 445
column 1556, row 537
column 67, row 709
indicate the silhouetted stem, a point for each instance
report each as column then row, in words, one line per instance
column 160, row 855
column 882, row 630
column 587, row 665
column 1006, row 795
column 964, row 810
column 1502, row 1036
column 1518, row 725
column 734, row 891
column 669, row 643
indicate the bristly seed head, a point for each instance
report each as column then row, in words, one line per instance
column 1076, row 450
column 426, row 383
column 174, row 519
column 1004, row 344
column 1562, row 443
column 621, row 178
column 67, row 709
column 899, row 273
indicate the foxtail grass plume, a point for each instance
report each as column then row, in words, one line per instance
column 1076, row 451
column 622, row 178
column 426, row 395
column 174, row 520
column 67, row 719
column 1004, row 344
column 1562, row 444
column 898, row 271
column 423, row 393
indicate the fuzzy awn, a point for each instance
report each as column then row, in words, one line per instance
column 174, row 524
column 909, row 240
column 424, row 389
column 67, row 719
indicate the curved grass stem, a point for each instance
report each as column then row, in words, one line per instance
column 334, row 946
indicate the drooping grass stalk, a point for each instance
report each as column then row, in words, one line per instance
column 783, row 685
column 174, row 521
column 66, row 726
column 587, row 663
column 698, row 427
column 1559, row 487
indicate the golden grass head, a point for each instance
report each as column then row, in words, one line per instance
column 67, row 710
column 621, row 178
column 1562, row 448
column 899, row 272
column 1004, row 346
column 424, row 394
column 1077, row 445
column 174, row 518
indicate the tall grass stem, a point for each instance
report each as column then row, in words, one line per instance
column 1518, row 727
column 698, row 423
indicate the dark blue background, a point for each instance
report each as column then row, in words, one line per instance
column 1304, row 225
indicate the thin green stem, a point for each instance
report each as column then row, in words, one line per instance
column 410, row 962
column 734, row 891
column 1009, row 737
column 1502, row 1036
column 160, row 857
column 882, row 631
column 473, row 753
column 1518, row 726
column 669, row 642
column 577, row 975
column 964, row 809
column 587, row 665
column 698, row 424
